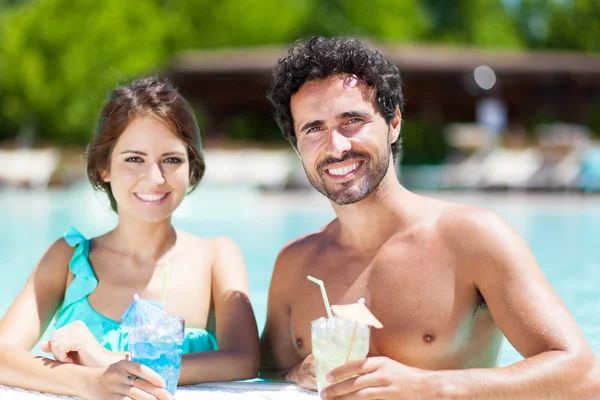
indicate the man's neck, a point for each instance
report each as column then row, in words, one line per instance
column 369, row 223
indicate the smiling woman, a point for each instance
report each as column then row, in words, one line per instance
column 165, row 106
column 149, row 168
column 147, row 157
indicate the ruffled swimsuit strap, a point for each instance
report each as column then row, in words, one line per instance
column 84, row 281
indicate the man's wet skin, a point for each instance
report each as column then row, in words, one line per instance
column 433, row 315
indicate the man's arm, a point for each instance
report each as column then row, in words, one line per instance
column 278, row 354
column 559, row 363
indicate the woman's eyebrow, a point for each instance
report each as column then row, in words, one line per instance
column 141, row 153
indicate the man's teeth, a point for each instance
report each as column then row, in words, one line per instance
column 343, row 170
column 151, row 197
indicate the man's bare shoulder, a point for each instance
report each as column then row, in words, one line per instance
column 304, row 247
column 297, row 255
column 472, row 233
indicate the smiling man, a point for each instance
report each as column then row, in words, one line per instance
column 446, row 280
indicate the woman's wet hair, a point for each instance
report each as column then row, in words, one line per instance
column 319, row 58
column 143, row 97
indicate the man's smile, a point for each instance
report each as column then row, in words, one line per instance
column 344, row 169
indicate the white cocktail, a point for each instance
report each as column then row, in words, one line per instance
column 336, row 341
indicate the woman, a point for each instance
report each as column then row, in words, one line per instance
column 146, row 156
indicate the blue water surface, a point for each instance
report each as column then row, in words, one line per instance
column 563, row 232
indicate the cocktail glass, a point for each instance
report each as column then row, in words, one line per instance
column 158, row 344
column 336, row 341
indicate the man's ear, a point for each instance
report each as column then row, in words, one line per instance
column 105, row 175
column 395, row 126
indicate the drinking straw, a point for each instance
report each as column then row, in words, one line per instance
column 164, row 285
column 323, row 293
column 351, row 341
column 362, row 301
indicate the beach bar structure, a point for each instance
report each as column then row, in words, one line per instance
column 439, row 83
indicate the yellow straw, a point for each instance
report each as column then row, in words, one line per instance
column 352, row 341
column 164, row 286
column 323, row 293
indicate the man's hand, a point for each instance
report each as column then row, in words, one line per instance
column 303, row 373
column 74, row 343
column 375, row 378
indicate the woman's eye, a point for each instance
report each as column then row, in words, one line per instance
column 173, row 160
column 134, row 159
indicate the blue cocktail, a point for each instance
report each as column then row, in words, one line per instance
column 158, row 344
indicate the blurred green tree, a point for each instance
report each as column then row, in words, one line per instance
column 560, row 24
column 482, row 23
column 382, row 20
column 59, row 58
column 235, row 23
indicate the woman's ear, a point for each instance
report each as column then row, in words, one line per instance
column 105, row 175
column 395, row 126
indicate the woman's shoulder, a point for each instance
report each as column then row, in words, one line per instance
column 213, row 246
column 60, row 250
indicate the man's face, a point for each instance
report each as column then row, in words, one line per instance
column 343, row 142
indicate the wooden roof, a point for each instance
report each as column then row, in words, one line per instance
column 408, row 58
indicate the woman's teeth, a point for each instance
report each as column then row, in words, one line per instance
column 151, row 197
column 343, row 170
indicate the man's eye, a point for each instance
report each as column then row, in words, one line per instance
column 353, row 120
column 173, row 160
column 134, row 159
column 314, row 129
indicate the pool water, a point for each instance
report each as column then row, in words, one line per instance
column 563, row 232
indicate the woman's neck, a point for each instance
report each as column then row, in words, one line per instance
column 142, row 241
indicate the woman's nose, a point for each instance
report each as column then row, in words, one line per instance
column 155, row 174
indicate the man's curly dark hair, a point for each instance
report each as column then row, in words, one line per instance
column 321, row 57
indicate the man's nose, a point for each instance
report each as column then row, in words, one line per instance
column 338, row 144
column 155, row 174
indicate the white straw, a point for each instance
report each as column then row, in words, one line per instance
column 323, row 293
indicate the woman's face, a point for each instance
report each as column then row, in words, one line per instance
column 149, row 171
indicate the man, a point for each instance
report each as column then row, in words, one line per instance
column 446, row 280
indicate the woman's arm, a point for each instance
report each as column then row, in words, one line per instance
column 238, row 355
column 26, row 320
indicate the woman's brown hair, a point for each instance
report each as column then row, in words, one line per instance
column 145, row 96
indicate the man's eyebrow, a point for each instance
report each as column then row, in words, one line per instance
column 350, row 114
column 311, row 124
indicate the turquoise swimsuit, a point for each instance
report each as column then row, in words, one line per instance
column 108, row 332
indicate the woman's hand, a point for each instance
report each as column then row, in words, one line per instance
column 126, row 380
column 74, row 343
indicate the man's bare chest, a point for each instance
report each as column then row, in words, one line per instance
column 425, row 305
